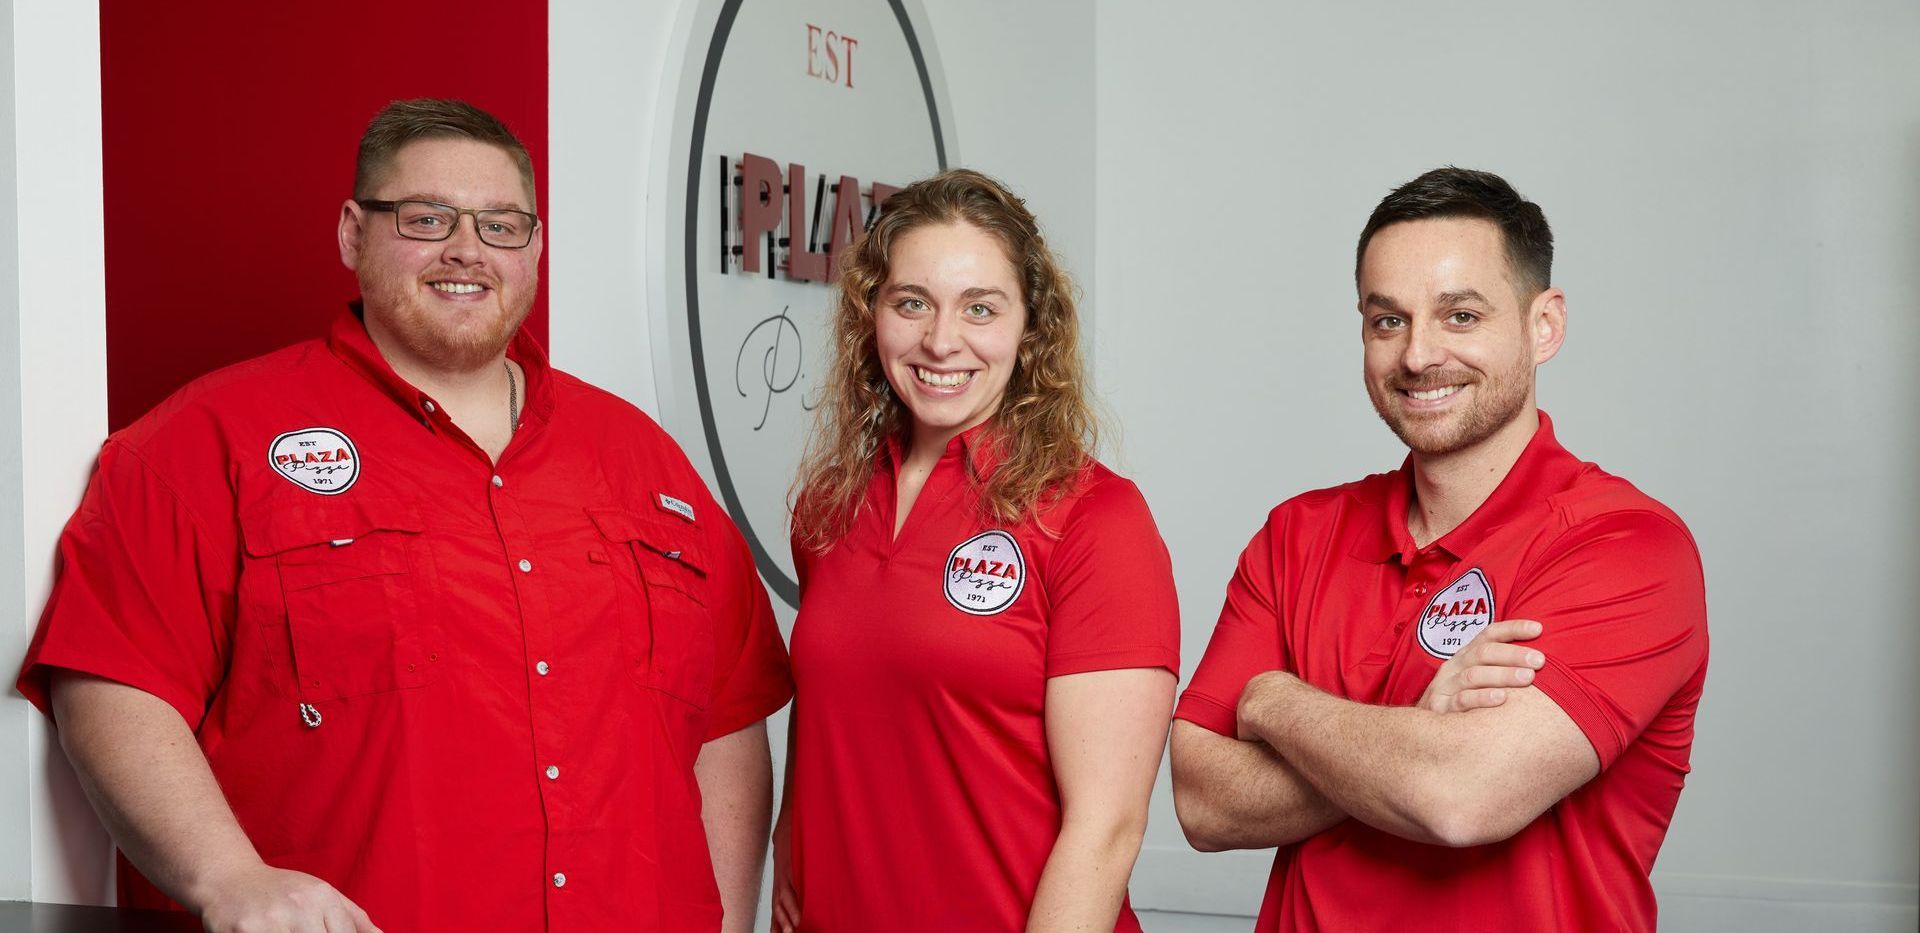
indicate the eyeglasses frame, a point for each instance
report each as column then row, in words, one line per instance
column 393, row 207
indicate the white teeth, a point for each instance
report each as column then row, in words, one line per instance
column 456, row 288
column 1432, row 394
column 941, row 380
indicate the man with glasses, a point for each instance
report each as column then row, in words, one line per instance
column 403, row 628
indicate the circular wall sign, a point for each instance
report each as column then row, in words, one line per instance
column 793, row 120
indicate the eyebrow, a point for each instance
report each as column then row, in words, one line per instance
column 1384, row 303
column 438, row 199
column 1444, row 299
column 1465, row 296
column 974, row 292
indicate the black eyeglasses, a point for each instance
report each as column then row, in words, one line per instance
column 431, row 220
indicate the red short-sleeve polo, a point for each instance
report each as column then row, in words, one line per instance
column 468, row 695
column 923, row 794
column 1333, row 590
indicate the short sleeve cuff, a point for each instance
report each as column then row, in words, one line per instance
column 1569, row 691
column 1114, row 659
column 1208, row 713
column 36, row 684
column 737, row 713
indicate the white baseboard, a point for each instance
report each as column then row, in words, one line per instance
column 1231, row 883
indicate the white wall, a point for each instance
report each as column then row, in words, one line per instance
column 53, row 413
column 1736, row 193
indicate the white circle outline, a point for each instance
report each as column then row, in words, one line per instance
column 947, row 568
column 336, row 432
column 1421, row 634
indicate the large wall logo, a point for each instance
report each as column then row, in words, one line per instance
column 792, row 123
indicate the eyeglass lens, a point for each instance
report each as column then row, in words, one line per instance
column 425, row 220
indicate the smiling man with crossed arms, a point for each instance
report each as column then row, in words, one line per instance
column 1460, row 695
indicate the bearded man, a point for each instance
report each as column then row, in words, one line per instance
column 402, row 627
column 1460, row 695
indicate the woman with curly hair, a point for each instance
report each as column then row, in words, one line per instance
column 988, row 637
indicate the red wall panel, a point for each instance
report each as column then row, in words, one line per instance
column 215, row 114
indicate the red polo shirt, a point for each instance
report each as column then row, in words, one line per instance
column 468, row 695
column 1334, row 590
column 923, row 792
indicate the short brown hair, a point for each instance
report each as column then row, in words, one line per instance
column 406, row 121
column 1462, row 192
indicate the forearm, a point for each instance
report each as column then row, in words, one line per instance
column 140, row 765
column 1231, row 794
column 1404, row 770
column 735, row 773
column 1086, row 875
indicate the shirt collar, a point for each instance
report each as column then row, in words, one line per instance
column 978, row 445
column 1544, row 468
column 348, row 340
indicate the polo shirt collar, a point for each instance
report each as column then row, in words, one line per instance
column 978, row 445
column 348, row 340
column 1544, row 468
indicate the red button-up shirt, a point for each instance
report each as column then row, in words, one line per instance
column 923, row 790
column 1334, row 590
column 467, row 694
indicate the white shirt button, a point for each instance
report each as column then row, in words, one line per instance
column 541, row 667
column 428, row 405
column 526, row 566
column 553, row 772
column 559, row 879
column 498, row 482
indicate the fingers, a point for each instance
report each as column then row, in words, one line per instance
column 1482, row 676
column 1479, row 699
column 361, row 922
column 786, row 909
column 1510, row 630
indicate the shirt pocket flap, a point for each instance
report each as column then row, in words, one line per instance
column 279, row 526
column 672, row 539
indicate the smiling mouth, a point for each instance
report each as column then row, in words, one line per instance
column 457, row 288
column 1432, row 395
column 942, row 380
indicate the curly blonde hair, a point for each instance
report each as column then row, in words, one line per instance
column 1044, row 430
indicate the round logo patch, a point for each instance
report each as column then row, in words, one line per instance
column 318, row 460
column 985, row 574
column 1456, row 614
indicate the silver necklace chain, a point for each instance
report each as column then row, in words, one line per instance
column 513, row 400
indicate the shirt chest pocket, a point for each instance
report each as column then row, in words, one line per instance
column 666, row 636
column 351, row 581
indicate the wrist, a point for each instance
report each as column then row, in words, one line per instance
column 207, row 882
column 1262, row 702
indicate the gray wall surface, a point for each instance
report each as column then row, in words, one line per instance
column 1735, row 189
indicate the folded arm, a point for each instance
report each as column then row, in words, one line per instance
column 1231, row 794
column 1455, row 779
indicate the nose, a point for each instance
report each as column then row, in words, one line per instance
column 463, row 244
column 942, row 336
column 1423, row 350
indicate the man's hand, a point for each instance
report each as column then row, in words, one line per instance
column 1479, row 675
column 264, row 899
